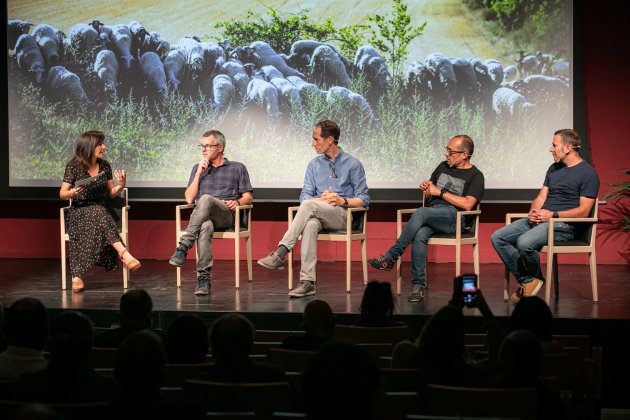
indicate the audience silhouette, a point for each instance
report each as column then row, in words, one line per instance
column 377, row 306
column 186, row 340
column 319, row 327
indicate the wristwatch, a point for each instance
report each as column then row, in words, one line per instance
column 442, row 191
column 555, row 214
column 345, row 203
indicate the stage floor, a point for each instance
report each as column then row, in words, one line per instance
column 267, row 293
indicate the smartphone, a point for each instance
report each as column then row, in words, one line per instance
column 468, row 285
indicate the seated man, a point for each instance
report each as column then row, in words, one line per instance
column 218, row 185
column 569, row 190
column 334, row 181
column 319, row 328
column 454, row 185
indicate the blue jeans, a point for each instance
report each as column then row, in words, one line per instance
column 519, row 242
column 422, row 224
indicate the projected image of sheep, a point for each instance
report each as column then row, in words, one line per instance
column 155, row 79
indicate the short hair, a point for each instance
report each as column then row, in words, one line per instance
column 219, row 137
column 26, row 324
column 329, row 128
column 231, row 337
column 467, row 143
column 136, row 307
column 319, row 319
column 570, row 137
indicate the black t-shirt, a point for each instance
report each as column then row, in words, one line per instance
column 462, row 182
column 568, row 183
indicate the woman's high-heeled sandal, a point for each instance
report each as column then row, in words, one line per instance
column 133, row 264
column 77, row 286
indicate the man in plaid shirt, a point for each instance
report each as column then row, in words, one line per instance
column 218, row 186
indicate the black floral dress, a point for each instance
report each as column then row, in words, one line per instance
column 90, row 221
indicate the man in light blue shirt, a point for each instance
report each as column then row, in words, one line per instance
column 334, row 181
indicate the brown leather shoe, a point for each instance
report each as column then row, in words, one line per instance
column 518, row 294
column 531, row 288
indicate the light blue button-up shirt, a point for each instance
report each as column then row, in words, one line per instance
column 345, row 176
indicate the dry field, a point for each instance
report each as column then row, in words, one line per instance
column 451, row 27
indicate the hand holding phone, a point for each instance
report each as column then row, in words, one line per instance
column 468, row 285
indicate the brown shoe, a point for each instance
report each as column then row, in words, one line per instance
column 517, row 295
column 531, row 288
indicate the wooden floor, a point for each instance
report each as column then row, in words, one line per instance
column 267, row 293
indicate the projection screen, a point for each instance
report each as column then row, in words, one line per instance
column 154, row 75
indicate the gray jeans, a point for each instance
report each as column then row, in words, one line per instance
column 209, row 214
column 312, row 217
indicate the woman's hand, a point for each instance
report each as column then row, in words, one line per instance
column 76, row 191
column 121, row 177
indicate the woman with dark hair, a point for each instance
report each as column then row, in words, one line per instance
column 94, row 237
column 377, row 306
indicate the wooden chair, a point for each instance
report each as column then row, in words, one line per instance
column 264, row 347
column 354, row 334
column 457, row 239
column 481, row 402
column 397, row 405
column 401, row 380
column 261, row 398
column 176, row 374
column 241, row 229
column 584, row 242
column 121, row 207
column 290, row 360
column 275, row 335
column 356, row 220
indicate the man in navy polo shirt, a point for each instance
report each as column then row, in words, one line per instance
column 218, row 185
column 569, row 190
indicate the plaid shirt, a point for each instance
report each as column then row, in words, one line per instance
column 226, row 182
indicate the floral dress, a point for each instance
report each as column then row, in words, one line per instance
column 90, row 221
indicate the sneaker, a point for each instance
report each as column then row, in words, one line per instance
column 531, row 288
column 517, row 295
column 178, row 257
column 382, row 263
column 305, row 288
column 272, row 261
column 203, row 285
column 417, row 294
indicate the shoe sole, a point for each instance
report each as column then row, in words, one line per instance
column 380, row 267
column 269, row 267
column 302, row 294
column 414, row 300
column 201, row 293
column 171, row 262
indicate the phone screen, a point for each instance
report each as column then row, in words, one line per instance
column 469, row 288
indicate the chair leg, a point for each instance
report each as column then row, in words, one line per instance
column 248, row 247
column 125, row 277
column 458, row 260
column 556, row 273
column 237, row 262
column 506, row 287
column 290, row 268
column 63, row 264
column 476, row 262
column 593, row 263
column 348, row 264
column 549, row 274
column 364, row 260
column 179, row 277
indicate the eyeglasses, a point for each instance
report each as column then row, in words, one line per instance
column 450, row 152
column 207, row 146
column 332, row 168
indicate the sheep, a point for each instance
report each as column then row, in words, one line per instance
column 508, row 103
column 445, row 81
column 240, row 79
column 509, row 74
column 265, row 95
column 539, row 88
column 561, row 68
column 121, row 38
column 174, row 67
column 85, row 40
column 153, row 75
column 289, row 94
column 195, row 57
column 155, row 43
column 495, row 70
column 308, row 91
column 326, row 69
column 483, row 76
column 526, row 64
column 467, row 84
column 138, row 36
column 302, row 51
column 15, row 28
column 223, row 91
column 271, row 72
column 106, row 69
column 49, row 40
column 30, row 58
column 264, row 55
column 370, row 63
column 64, row 85
column 214, row 56
column 351, row 103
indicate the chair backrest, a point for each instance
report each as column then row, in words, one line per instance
column 358, row 221
column 355, row 334
column 585, row 232
column 290, row 360
column 176, row 375
column 482, row 402
column 117, row 204
column 275, row 335
column 467, row 226
column 262, row 398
